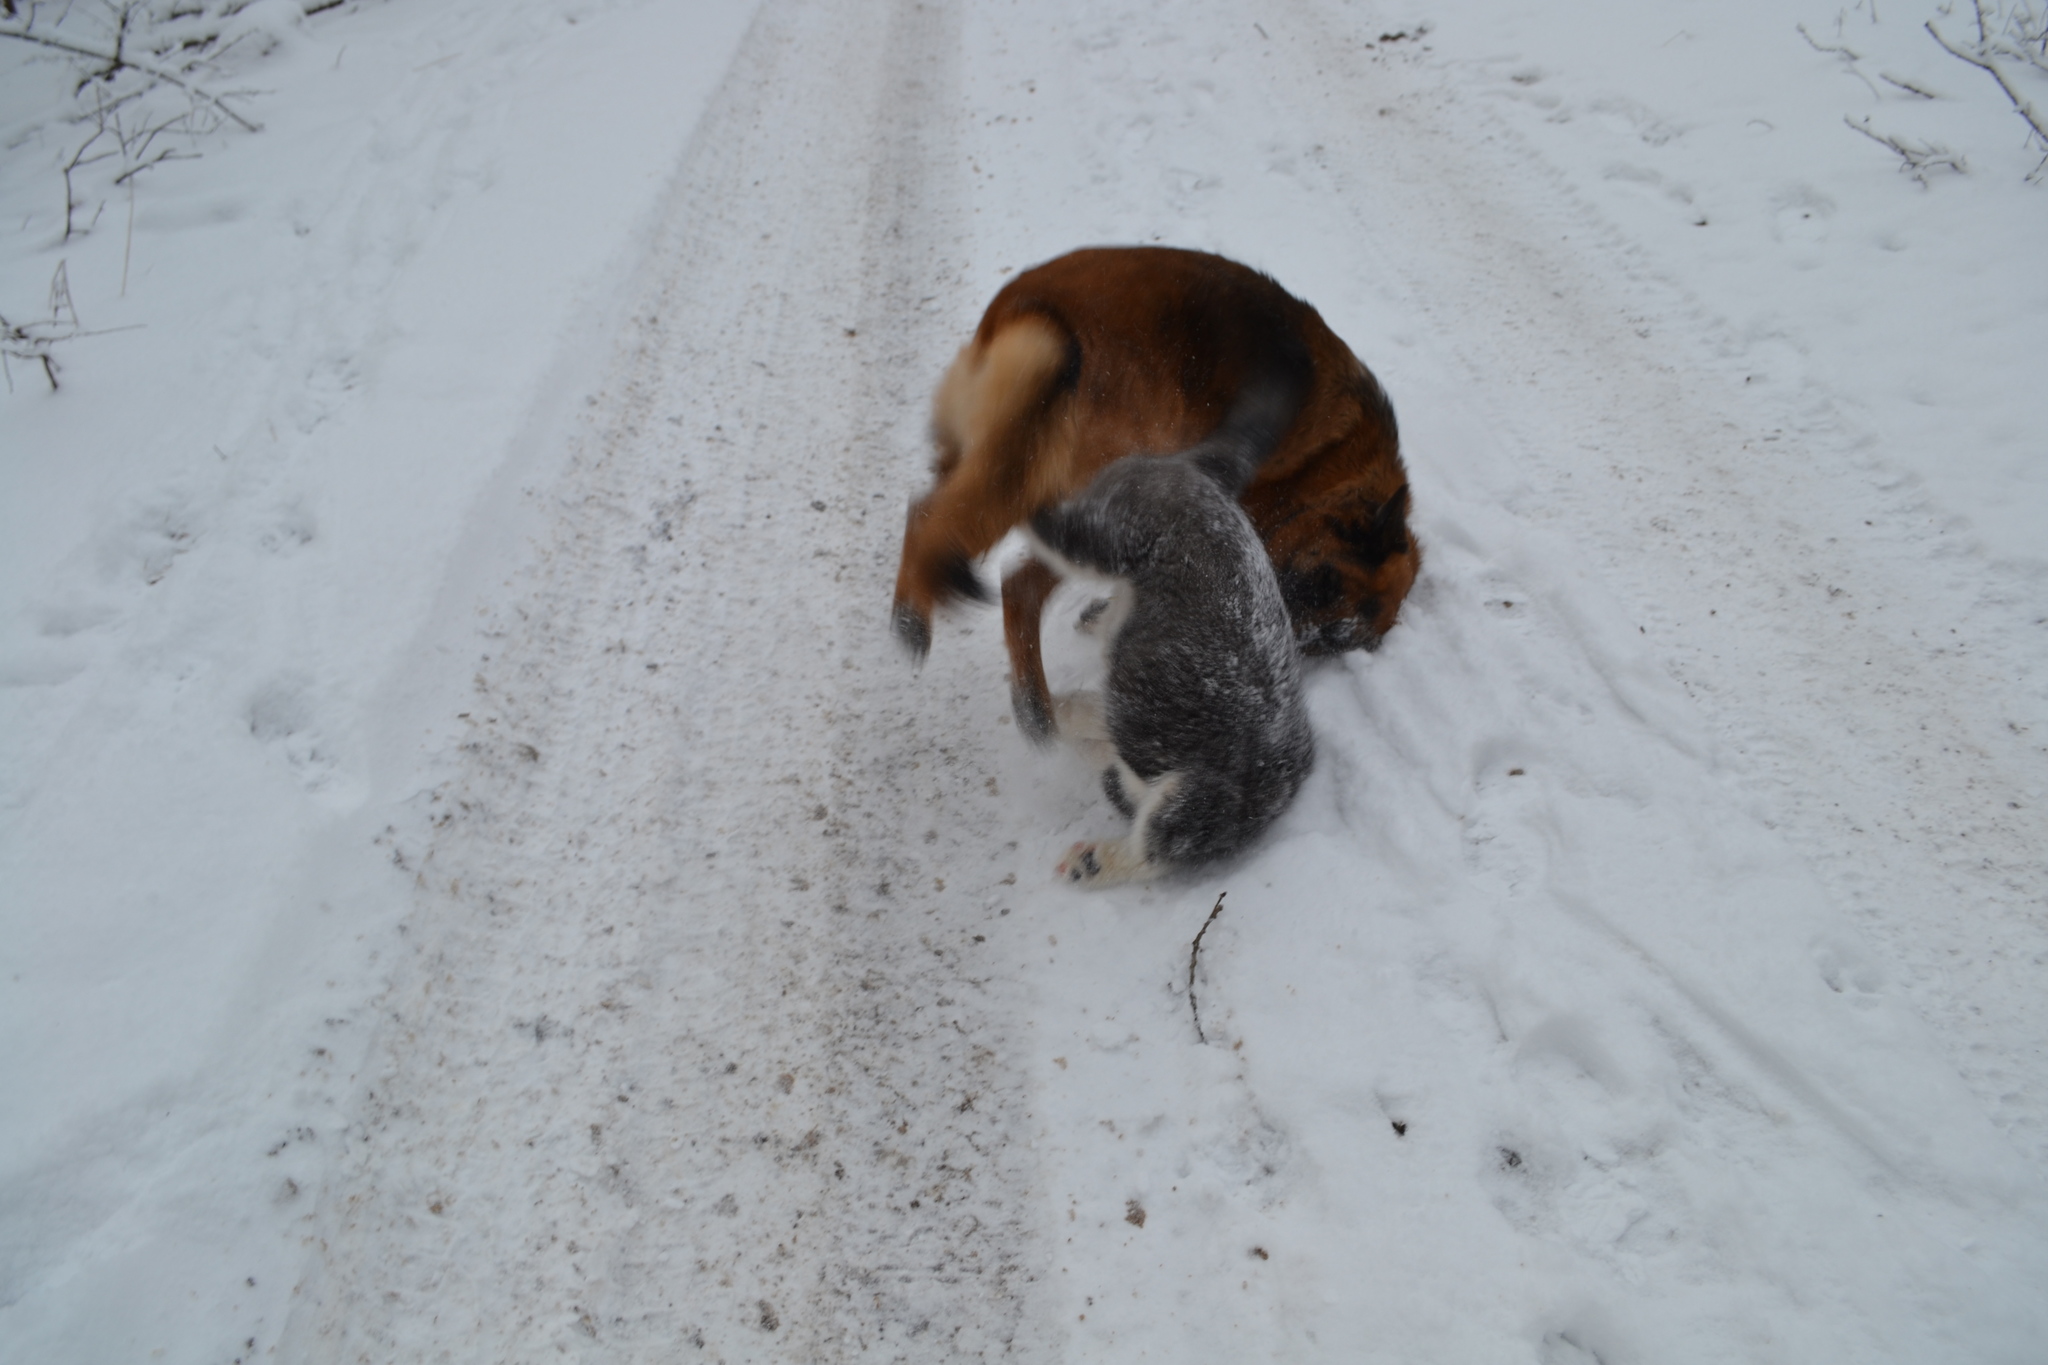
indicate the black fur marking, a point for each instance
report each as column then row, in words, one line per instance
column 1113, row 788
column 958, row 579
column 1374, row 400
column 1091, row 613
column 1068, row 376
column 912, row 630
column 1033, row 713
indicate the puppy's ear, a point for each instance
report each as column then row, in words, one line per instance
column 1341, row 564
column 1370, row 532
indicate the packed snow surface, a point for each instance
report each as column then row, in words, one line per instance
column 481, row 883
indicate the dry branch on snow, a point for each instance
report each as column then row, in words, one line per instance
column 2011, row 47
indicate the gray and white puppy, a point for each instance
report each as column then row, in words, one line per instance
column 1201, row 733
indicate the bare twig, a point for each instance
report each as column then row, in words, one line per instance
column 167, row 154
column 1984, row 56
column 78, row 159
column 128, row 242
column 1849, row 58
column 61, row 305
column 1916, row 158
column 1194, row 958
column 1902, row 83
column 117, row 60
column 32, row 340
column 168, row 45
column 1838, row 50
column 147, row 65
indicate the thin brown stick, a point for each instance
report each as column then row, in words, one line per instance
column 167, row 154
column 1194, row 958
column 78, row 158
column 1907, row 86
column 1849, row 58
column 128, row 244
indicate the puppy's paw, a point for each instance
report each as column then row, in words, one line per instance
column 1083, row 863
column 913, row 629
column 1034, row 714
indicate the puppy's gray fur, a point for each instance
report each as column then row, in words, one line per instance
column 1201, row 733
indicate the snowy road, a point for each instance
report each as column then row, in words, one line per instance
column 705, row 1036
column 1650, row 970
column 728, row 1024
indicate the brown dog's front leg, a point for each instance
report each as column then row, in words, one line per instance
column 1024, row 594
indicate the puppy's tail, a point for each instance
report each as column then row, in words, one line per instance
column 1253, row 428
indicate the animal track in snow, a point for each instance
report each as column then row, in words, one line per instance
column 150, row 539
column 281, row 718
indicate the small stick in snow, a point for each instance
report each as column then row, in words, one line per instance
column 1194, row 957
column 1836, row 50
column 1907, row 86
column 1918, row 158
column 1849, row 58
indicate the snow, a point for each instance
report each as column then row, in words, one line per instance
column 484, row 884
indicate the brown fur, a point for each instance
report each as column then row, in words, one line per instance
column 1115, row 351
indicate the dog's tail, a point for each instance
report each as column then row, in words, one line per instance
column 1255, row 425
column 993, row 412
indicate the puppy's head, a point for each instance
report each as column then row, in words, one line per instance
column 1345, row 565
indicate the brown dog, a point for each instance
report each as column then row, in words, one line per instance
column 1116, row 351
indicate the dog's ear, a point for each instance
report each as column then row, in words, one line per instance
column 1371, row 532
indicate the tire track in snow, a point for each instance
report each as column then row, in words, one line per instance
column 1857, row 662
column 698, row 1057
column 1485, row 972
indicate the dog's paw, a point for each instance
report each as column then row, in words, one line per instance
column 1083, row 863
column 1034, row 715
column 913, row 629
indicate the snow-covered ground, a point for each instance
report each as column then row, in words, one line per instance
column 482, row 884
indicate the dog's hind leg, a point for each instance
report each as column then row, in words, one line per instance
column 992, row 417
column 1024, row 593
